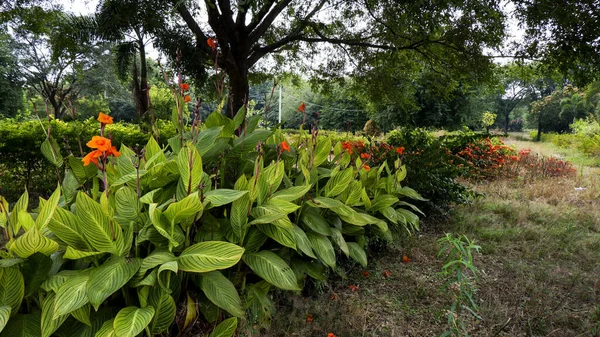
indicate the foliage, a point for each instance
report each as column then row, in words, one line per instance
column 461, row 274
column 371, row 129
column 488, row 119
column 432, row 168
column 10, row 83
column 23, row 166
column 211, row 218
column 486, row 158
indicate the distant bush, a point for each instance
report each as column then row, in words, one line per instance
column 22, row 165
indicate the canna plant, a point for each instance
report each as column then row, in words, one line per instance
column 148, row 241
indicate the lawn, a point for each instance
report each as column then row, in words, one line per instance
column 538, row 262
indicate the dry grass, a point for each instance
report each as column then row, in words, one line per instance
column 539, row 263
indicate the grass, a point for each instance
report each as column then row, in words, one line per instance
column 539, row 263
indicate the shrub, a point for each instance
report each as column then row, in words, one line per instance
column 212, row 218
column 486, row 158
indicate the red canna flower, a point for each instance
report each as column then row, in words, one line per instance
column 331, row 334
column 302, row 107
column 212, row 43
column 400, row 150
column 285, row 146
column 187, row 98
column 184, row 86
column 309, row 318
column 405, row 259
column 366, row 167
column 365, row 155
column 347, row 146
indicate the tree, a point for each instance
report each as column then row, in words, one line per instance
column 564, row 35
column 11, row 93
column 242, row 33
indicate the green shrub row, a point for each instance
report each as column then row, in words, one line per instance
column 199, row 230
column 22, row 165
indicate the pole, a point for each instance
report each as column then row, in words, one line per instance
column 279, row 104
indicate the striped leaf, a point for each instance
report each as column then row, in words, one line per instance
column 164, row 227
column 221, row 291
column 21, row 205
column 23, row 326
column 110, row 277
column 12, row 288
column 191, row 312
column 338, row 238
column 183, row 209
column 64, row 226
column 323, row 248
column 190, row 168
column 272, row 269
column 49, row 324
column 47, row 211
column 107, row 329
column 71, row 295
column 312, row 219
column 164, row 310
column 322, row 152
column 33, row 242
column 74, row 254
column 285, row 236
column 222, row 197
column 35, row 271
column 5, row 311
column 302, row 242
column 225, row 328
column 291, row 194
column 210, row 255
column 83, row 314
column 339, row 182
column 127, row 204
column 55, row 281
column 95, row 225
column 131, row 321
column 357, row 253
column 51, row 151
column 239, row 215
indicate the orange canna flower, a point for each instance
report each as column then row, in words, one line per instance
column 113, row 151
column 331, row 334
column 212, row 43
column 365, row 155
column 100, row 143
column 365, row 273
column 387, row 273
column 104, row 118
column 91, row 157
column 334, row 297
column 366, row 167
column 309, row 318
column 285, row 146
column 405, row 259
column 400, row 150
column 184, row 86
column 187, row 98
column 302, row 107
column 353, row 287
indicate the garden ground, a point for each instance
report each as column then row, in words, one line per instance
column 539, row 269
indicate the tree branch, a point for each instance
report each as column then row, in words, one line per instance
column 261, row 29
column 195, row 28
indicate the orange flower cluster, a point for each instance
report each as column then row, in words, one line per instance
column 331, row 334
column 212, row 43
column 531, row 166
column 487, row 157
column 302, row 107
column 376, row 153
column 284, row 146
column 102, row 146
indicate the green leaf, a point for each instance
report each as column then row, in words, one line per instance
column 225, row 328
column 51, row 151
column 47, row 211
column 210, row 255
column 64, row 226
column 153, row 153
column 409, row 192
column 54, row 282
column 191, row 311
column 323, row 248
column 313, row 220
column 32, row 242
column 184, row 209
column 110, row 277
column 189, row 163
column 284, row 236
column 35, row 271
column 272, row 269
column 222, row 197
column 339, row 182
column 165, row 310
column 12, row 288
column 322, row 152
column 95, row 226
column 221, row 292
column 127, row 204
column 338, row 238
column 83, row 314
column 5, row 311
column 302, row 242
column 48, row 323
column 254, row 240
column 21, row 205
column 107, row 329
column 74, row 254
column 131, row 321
column 23, row 326
column 291, row 194
column 82, row 173
column 71, row 295
column 357, row 253
column 167, row 229
column 239, row 215
column 383, row 201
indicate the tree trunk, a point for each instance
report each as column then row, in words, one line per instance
column 539, row 128
column 140, row 85
column 506, row 122
column 238, row 83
